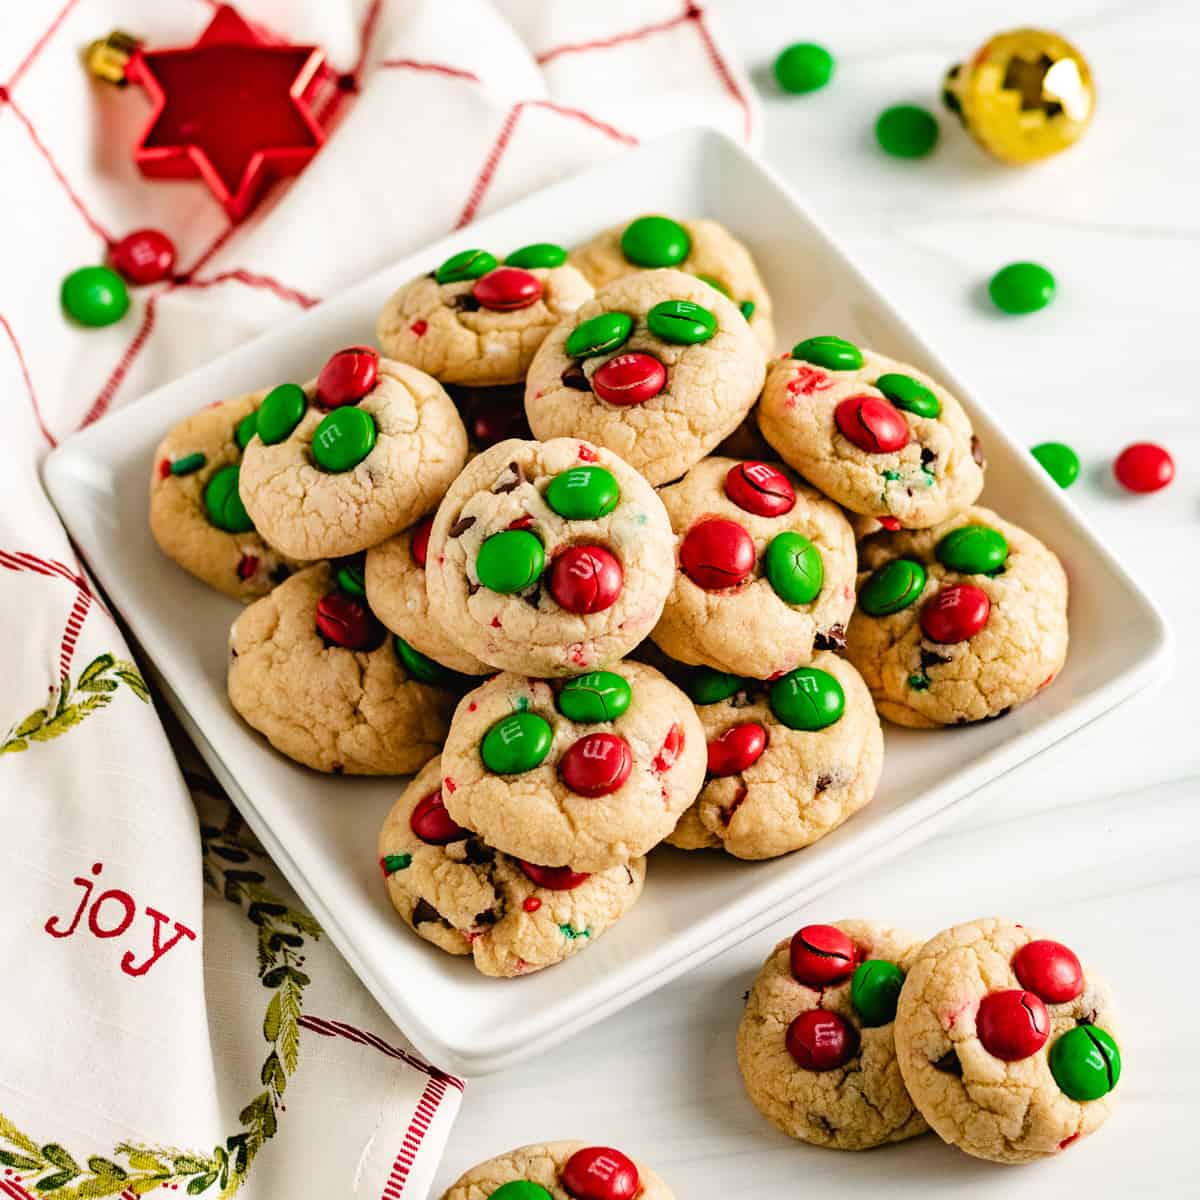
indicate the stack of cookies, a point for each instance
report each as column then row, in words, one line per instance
column 571, row 547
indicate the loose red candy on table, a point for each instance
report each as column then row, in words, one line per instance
column 420, row 541
column 143, row 256
column 821, row 955
column 347, row 377
column 586, row 579
column 956, row 613
column 596, row 765
column 1049, row 970
column 760, row 488
column 1012, row 1024
column 433, row 824
column 507, row 289
column 736, row 749
column 821, row 1041
column 601, row 1173
column 629, row 379
column 553, row 879
column 717, row 554
column 1144, row 467
column 872, row 424
column 347, row 622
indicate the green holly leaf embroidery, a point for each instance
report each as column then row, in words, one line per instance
column 54, row 1153
column 97, row 666
column 52, row 1183
column 32, row 723
column 201, row 1184
column 18, row 1161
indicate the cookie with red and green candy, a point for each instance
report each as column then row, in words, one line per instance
column 957, row 623
column 196, row 514
column 878, row 436
column 766, row 569
column 586, row 773
column 658, row 367
column 1006, row 1041
column 511, row 916
column 350, row 458
column 476, row 321
column 704, row 248
column 816, row 1045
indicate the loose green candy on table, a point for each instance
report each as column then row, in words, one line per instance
column 794, row 568
column 539, row 254
column 832, row 353
column 655, row 242
column 1060, row 461
column 973, row 550
column 706, row 685
column 874, row 990
column 682, row 322
column 280, row 413
column 906, row 130
column 520, row 1189
column 466, row 264
column 510, row 561
column 807, row 698
column 1021, row 287
column 583, row 493
column 417, row 666
column 94, row 296
column 803, row 67
column 892, row 587
column 188, row 463
column 343, row 439
column 518, row 742
column 350, row 579
column 595, row 697
column 599, row 335
column 247, row 427
column 906, row 393
column 1085, row 1062
column 223, row 504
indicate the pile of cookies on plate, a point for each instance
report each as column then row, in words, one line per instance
column 574, row 548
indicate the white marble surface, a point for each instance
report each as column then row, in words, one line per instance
column 1096, row 841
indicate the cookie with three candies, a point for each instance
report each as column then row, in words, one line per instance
column 513, row 917
column 658, row 368
column 788, row 761
column 352, row 457
column 196, row 513
column 766, row 569
column 703, row 248
column 560, row 1171
column 477, row 321
column 319, row 677
column 876, row 435
column 957, row 623
column 549, row 558
column 815, row 1044
column 588, row 773
column 1006, row 1041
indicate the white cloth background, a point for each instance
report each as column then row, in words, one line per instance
column 169, row 1013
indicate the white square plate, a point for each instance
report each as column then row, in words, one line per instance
column 322, row 831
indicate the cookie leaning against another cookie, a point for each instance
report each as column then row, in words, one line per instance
column 815, row 1045
column 457, row 892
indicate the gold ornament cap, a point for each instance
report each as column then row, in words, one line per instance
column 107, row 57
column 1025, row 95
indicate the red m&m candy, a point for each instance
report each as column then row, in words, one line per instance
column 821, row 955
column 1012, row 1024
column 630, row 379
column 347, row 377
column 1049, row 970
column 736, row 749
column 1144, row 467
column 433, row 824
column 596, row 765
column 586, row 579
column 347, row 622
column 601, row 1173
column 143, row 256
column 420, row 541
column 872, row 424
column 553, row 879
column 717, row 554
column 820, row 1040
column 507, row 288
column 761, row 489
column 956, row 613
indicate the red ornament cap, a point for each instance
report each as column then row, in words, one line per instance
column 596, row 765
column 553, row 879
column 821, row 955
column 433, row 824
column 1049, row 970
column 347, row 376
column 586, row 579
column 1012, row 1024
column 601, row 1173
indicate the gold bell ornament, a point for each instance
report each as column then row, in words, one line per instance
column 1025, row 95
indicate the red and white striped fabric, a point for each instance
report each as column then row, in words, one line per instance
column 172, row 1019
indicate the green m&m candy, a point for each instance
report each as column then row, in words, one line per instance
column 599, row 335
column 350, row 578
column 188, row 463
column 655, row 242
column 803, row 67
column 807, row 698
column 907, row 130
column 583, row 493
column 223, row 504
column 973, row 550
column 714, row 283
column 794, row 569
column 832, row 353
column 747, row 308
column 280, row 412
column 520, row 1189
column 706, row 685
column 466, row 264
column 1021, row 287
column 516, row 743
column 247, row 427
column 417, row 666
column 894, row 586
column 539, row 254
column 594, row 697
column 343, row 439
column 1085, row 1062
column 94, row 296
column 906, row 393
column 682, row 322
column 874, row 989
column 1060, row 461
column 510, row 561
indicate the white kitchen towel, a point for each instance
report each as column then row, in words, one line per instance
column 172, row 1020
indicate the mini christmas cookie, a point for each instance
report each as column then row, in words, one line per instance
column 957, row 623
column 766, row 569
column 702, row 248
column 659, row 367
column 588, row 774
column 316, row 674
column 788, row 761
column 1006, row 1042
column 513, row 917
column 196, row 514
column 560, row 1171
column 877, row 436
column 474, row 321
column 815, row 1044
column 352, row 457
column 549, row 558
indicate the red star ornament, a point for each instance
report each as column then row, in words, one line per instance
column 235, row 109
